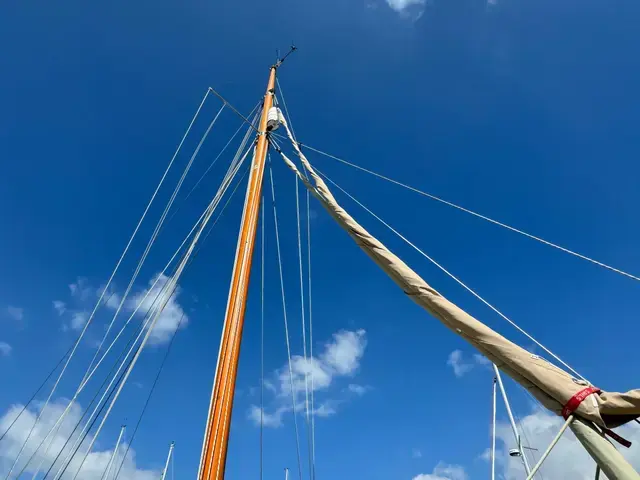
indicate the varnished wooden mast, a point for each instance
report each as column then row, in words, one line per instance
column 214, row 451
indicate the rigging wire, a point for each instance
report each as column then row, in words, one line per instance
column 104, row 404
column 311, row 421
column 149, row 395
column 169, row 287
column 142, row 260
column 169, row 291
column 286, row 324
column 35, row 394
column 93, row 399
column 304, row 328
column 313, row 427
column 155, row 234
column 227, row 180
column 107, row 470
column 131, row 345
column 226, row 365
column 233, row 169
column 215, row 160
column 471, row 212
column 453, row 277
column 80, row 420
column 262, row 341
column 286, row 110
column 99, row 302
column 195, row 254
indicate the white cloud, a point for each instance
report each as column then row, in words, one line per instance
column 84, row 297
column 486, row 455
column 170, row 316
column 442, row 471
column 95, row 463
column 5, row 349
column 456, row 362
column 324, row 410
column 416, row 453
column 481, row 359
column 341, row 358
column 404, row 5
column 540, row 427
column 16, row 313
column 344, row 353
column 78, row 320
column 357, row 389
column 461, row 366
column 81, row 289
column 273, row 420
column 60, row 306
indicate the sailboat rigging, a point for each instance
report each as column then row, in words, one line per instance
column 588, row 411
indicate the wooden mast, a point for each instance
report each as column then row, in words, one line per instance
column 214, row 451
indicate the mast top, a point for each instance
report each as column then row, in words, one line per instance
column 280, row 61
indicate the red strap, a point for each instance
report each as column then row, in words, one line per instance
column 622, row 441
column 575, row 401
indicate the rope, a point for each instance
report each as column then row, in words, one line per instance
column 107, row 470
column 304, row 328
column 262, row 342
column 146, row 403
column 211, row 165
column 286, row 110
column 169, row 290
column 195, row 254
column 93, row 399
column 90, row 425
column 460, row 282
column 313, row 427
column 475, row 214
column 35, row 394
column 99, row 302
column 286, row 324
column 214, row 390
column 169, row 287
column 120, row 362
column 154, row 236
column 233, row 169
column 80, row 420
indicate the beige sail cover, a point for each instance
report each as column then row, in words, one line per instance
column 552, row 386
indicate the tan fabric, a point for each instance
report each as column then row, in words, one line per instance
column 552, row 386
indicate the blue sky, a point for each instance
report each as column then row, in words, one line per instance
column 523, row 111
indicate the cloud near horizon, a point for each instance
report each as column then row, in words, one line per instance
column 443, row 471
column 540, row 427
column 95, row 464
column 403, row 6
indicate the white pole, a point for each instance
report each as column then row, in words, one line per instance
column 107, row 471
column 493, row 433
column 513, row 422
column 608, row 458
column 286, row 474
column 550, row 447
column 166, row 465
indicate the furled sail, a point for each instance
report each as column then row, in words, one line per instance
column 553, row 387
